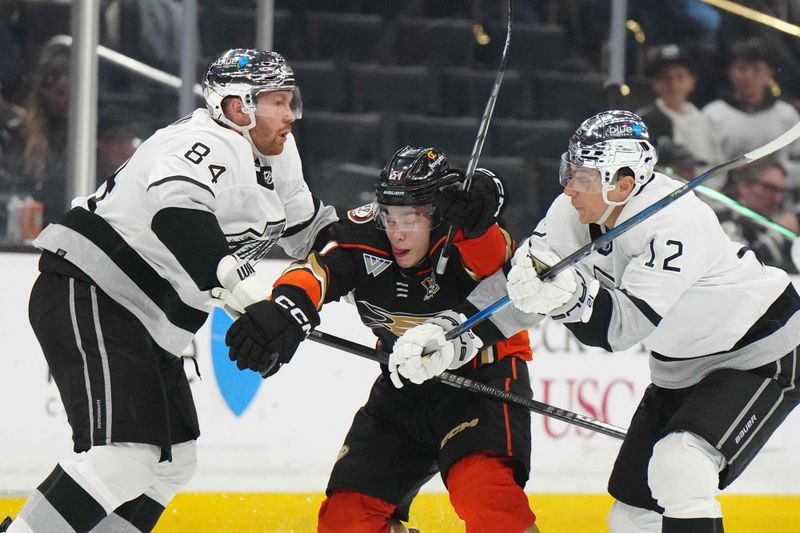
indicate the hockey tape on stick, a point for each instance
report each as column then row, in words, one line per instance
column 477, row 148
column 477, row 387
column 773, row 146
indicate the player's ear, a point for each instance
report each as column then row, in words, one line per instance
column 233, row 108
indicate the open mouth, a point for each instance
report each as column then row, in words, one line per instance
column 398, row 253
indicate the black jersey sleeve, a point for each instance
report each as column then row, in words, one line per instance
column 195, row 239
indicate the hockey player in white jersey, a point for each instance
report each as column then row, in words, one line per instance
column 125, row 276
column 722, row 328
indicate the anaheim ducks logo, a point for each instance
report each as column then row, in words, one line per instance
column 398, row 323
column 361, row 215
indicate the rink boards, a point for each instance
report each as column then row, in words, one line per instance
column 267, row 446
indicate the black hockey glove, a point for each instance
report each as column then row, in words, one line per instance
column 269, row 332
column 472, row 211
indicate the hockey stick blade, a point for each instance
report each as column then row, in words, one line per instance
column 476, row 387
column 773, row 146
column 477, row 148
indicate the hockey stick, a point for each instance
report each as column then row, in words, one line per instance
column 477, row 387
column 472, row 164
column 776, row 144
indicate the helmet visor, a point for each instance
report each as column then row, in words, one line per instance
column 406, row 218
column 279, row 103
column 578, row 178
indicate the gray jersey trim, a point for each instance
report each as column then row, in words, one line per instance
column 101, row 345
column 88, row 257
column 509, row 320
column 79, row 344
column 676, row 374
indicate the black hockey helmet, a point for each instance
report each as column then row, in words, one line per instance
column 412, row 176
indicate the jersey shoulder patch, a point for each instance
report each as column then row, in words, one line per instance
column 359, row 231
column 363, row 214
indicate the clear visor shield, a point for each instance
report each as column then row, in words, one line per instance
column 578, row 178
column 406, row 218
column 279, row 104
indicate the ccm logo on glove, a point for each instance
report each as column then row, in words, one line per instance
column 296, row 312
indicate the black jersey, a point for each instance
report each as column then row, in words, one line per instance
column 357, row 263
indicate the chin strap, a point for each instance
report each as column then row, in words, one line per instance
column 606, row 214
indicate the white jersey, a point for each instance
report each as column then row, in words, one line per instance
column 677, row 283
column 195, row 164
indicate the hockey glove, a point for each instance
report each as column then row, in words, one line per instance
column 407, row 359
column 241, row 286
column 568, row 297
column 472, row 211
column 269, row 332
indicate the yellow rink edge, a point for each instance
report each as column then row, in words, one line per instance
column 432, row 513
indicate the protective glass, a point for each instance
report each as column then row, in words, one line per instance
column 406, row 217
column 577, row 178
column 278, row 103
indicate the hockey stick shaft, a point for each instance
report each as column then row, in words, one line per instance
column 776, row 144
column 467, row 384
column 733, row 205
column 477, row 148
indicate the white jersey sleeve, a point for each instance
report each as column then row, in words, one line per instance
column 305, row 214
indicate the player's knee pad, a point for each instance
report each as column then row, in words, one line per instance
column 683, row 475
column 624, row 518
column 354, row 512
column 486, row 497
column 172, row 476
column 115, row 473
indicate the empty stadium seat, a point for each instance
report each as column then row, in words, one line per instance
column 530, row 138
column 223, row 27
column 322, row 85
column 568, row 95
column 343, row 37
column 345, row 185
column 454, row 135
column 466, row 91
column 345, row 137
column 434, row 41
column 533, row 46
column 408, row 89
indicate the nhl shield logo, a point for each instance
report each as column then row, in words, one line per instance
column 375, row 265
column 264, row 177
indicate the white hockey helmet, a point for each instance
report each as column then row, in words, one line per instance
column 245, row 73
column 609, row 142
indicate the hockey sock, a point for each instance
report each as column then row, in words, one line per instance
column 355, row 513
column 60, row 504
column 692, row 525
column 486, row 496
column 139, row 515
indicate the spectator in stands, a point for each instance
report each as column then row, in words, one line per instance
column 784, row 47
column 117, row 138
column 751, row 115
column 761, row 186
column 676, row 159
column 37, row 148
column 672, row 115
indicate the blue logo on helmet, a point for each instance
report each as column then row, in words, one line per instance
column 238, row 387
column 637, row 128
column 243, row 61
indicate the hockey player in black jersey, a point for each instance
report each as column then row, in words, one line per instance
column 125, row 276
column 383, row 255
column 722, row 328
